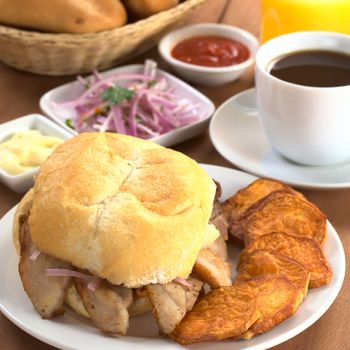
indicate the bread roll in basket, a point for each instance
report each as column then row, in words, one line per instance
column 63, row 54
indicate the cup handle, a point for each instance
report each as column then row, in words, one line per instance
column 246, row 102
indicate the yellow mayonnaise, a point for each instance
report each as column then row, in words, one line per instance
column 26, row 150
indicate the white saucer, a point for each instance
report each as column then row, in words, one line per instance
column 236, row 133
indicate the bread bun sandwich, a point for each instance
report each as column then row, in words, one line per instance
column 115, row 226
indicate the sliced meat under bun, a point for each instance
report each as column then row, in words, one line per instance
column 125, row 209
column 139, row 306
column 23, row 208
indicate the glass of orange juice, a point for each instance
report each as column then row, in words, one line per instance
column 284, row 16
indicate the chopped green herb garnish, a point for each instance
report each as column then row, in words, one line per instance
column 117, row 94
column 69, row 123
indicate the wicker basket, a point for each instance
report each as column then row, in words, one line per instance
column 61, row 54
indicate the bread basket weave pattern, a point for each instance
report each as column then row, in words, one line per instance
column 61, row 54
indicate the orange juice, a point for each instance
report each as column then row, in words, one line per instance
column 284, row 16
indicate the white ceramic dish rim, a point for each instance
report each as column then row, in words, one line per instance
column 228, row 157
column 221, row 174
column 208, row 28
column 209, row 105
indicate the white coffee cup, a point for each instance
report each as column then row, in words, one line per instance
column 308, row 125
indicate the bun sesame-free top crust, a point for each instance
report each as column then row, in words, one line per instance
column 123, row 208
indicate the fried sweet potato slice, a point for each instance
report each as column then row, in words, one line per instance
column 212, row 269
column 282, row 211
column 277, row 300
column 265, row 262
column 223, row 313
column 304, row 250
column 234, row 207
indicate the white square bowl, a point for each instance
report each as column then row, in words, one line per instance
column 73, row 90
column 22, row 182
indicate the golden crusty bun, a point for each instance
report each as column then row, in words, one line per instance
column 123, row 208
column 63, row 16
column 145, row 8
column 23, row 208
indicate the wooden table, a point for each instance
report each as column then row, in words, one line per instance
column 19, row 95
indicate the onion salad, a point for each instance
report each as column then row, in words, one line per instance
column 142, row 105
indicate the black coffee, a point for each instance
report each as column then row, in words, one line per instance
column 313, row 68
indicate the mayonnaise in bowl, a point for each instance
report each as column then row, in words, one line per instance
column 25, row 150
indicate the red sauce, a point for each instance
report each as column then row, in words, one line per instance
column 210, row 51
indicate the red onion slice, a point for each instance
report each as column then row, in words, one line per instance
column 35, row 254
column 182, row 281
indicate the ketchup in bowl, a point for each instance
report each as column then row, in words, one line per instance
column 210, row 51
